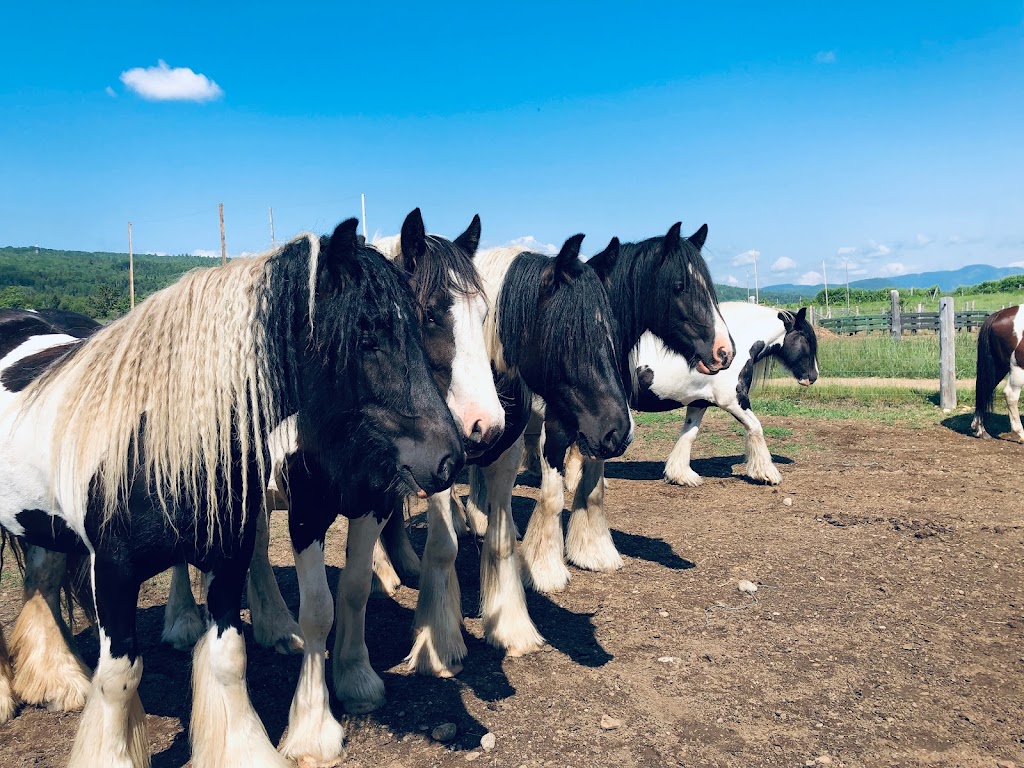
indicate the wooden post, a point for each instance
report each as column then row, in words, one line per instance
column 223, row 247
column 131, row 270
column 947, row 355
column 895, row 321
column 811, row 315
column 273, row 242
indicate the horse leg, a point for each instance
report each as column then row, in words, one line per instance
column 359, row 688
column 7, row 701
column 677, row 465
column 314, row 736
column 588, row 542
column 1012, row 393
column 112, row 729
column 759, row 458
column 533, row 460
column 183, row 623
column 543, row 548
column 225, row 730
column 394, row 560
column 272, row 622
column 506, row 620
column 47, row 670
column 475, row 508
column 438, row 647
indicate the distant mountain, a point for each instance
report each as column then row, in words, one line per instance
column 947, row 280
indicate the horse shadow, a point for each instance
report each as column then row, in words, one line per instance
column 720, row 467
column 997, row 424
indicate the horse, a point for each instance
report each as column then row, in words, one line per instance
column 664, row 381
column 549, row 336
column 1000, row 352
column 452, row 307
column 661, row 285
column 156, row 442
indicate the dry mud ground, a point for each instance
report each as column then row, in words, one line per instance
column 889, row 630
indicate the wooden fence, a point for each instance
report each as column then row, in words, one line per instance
column 901, row 322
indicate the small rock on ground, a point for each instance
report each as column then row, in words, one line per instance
column 444, row 732
column 610, row 723
column 487, row 741
column 746, row 586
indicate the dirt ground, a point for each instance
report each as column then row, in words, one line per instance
column 888, row 629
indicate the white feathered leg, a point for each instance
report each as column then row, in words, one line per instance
column 358, row 687
column 314, row 736
column 226, row 732
column 47, row 669
column 506, row 620
column 272, row 623
column 759, row 458
column 543, row 548
column 183, row 623
column 475, row 508
column 677, row 466
column 438, row 646
column 112, row 728
column 588, row 543
column 1012, row 394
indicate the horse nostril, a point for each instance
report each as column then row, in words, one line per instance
column 445, row 468
column 611, row 439
column 477, row 433
column 723, row 355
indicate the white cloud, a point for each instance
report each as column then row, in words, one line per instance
column 783, row 264
column 825, row 57
column 846, row 250
column 747, row 257
column 731, row 279
column 809, row 278
column 893, row 269
column 922, row 240
column 1016, row 264
column 110, row 92
column 161, row 83
column 533, row 244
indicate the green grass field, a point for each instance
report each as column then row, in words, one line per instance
column 879, row 355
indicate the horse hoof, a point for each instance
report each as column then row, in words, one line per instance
column 289, row 646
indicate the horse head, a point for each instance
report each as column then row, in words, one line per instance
column 663, row 285
column 799, row 351
column 369, row 397
column 452, row 308
column 568, row 357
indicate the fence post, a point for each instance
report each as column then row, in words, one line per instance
column 947, row 355
column 811, row 315
column 895, row 321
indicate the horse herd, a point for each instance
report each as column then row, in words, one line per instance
column 341, row 377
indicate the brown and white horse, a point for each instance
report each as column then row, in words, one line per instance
column 1000, row 352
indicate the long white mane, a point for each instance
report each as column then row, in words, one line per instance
column 193, row 362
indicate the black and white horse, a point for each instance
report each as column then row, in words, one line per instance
column 150, row 443
column 665, row 381
column 661, row 285
column 1000, row 354
column 550, row 334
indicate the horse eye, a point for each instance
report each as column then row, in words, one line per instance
column 368, row 343
column 677, row 288
column 430, row 318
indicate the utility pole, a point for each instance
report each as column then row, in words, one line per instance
column 366, row 235
column 223, row 247
column 131, row 270
column 847, row 265
column 273, row 242
column 747, row 274
column 757, row 292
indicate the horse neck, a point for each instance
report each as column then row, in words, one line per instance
column 493, row 266
column 750, row 323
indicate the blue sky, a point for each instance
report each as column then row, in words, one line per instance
column 883, row 135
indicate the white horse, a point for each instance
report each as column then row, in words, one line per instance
column 665, row 381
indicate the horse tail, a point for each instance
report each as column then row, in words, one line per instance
column 10, row 541
column 77, row 589
column 991, row 370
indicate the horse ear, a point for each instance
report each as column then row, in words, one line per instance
column 469, row 240
column 787, row 323
column 569, row 254
column 801, row 316
column 414, row 240
column 604, row 262
column 670, row 242
column 341, row 248
column 697, row 238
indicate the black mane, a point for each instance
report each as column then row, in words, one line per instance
column 519, row 314
column 448, row 268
